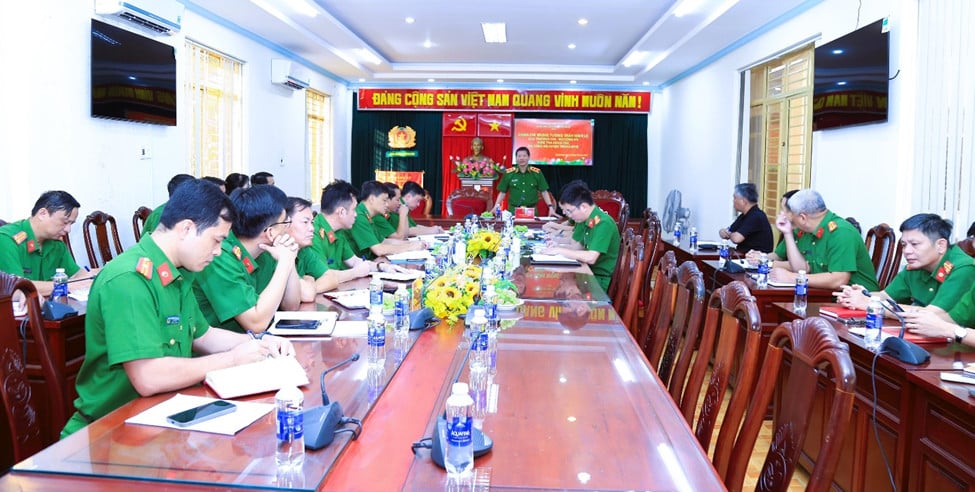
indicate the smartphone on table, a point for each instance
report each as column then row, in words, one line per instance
column 201, row 413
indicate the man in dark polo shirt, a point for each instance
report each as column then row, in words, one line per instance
column 751, row 229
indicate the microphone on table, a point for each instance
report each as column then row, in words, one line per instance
column 482, row 443
column 899, row 348
column 730, row 266
column 321, row 422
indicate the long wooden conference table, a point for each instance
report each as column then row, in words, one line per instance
column 570, row 408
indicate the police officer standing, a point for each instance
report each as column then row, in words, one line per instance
column 524, row 183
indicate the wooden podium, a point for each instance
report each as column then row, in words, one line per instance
column 479, row 184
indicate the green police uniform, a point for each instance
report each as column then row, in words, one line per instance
column 232, row 283
column 23, row 255
column 393, row 218
column 522, row 187
column 364, row 233
column 153, row 220
column 963, row 313
column 836, row 246
column 599, row 233
column 310, row 263
column 332, row 246
column 383, row 226
column 942, row 288
column 141, row 307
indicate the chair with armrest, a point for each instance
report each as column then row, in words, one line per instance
column 139, row 221
column 815, row 351
column 619, row 276
column 465, row 201
column 732, row 326
column 28, row 433
column 968, row 245
column 613, row 203
column 628, row 293
column 676, row 337
column 660, row 303
column 855, row 223
column 882, row 245
column 103, row 224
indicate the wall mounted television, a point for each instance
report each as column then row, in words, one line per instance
column 133, row 78
column 851, row 79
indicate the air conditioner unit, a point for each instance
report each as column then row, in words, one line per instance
column 289, row 74
column 161, row 16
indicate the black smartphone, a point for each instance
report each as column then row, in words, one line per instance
column 298, row 324
column 201, row 413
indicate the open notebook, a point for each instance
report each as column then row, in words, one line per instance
column 258, row 377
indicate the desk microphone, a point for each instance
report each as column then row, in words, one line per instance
column 899, row 348
column 321, row 421
column 730, row 266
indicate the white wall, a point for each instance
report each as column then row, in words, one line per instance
column 856, row 169
column 48, row 139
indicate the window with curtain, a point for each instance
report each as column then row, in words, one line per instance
column 780, row 126
column 214, row 90
column 318, row 117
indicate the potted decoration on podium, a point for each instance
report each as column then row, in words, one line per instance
column 476, row 170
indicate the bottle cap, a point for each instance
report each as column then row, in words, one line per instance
column 459, row 389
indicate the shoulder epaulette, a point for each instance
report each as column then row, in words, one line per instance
column 512, row 170
column 534, row 169
column 20, row 237
column 944, row 271
column 144, row 266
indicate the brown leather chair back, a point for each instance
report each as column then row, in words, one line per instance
column 139, row 221
column 103, row 225
column 613, row 203
column 881, row 243
column 816, row 352
column 465, row 201
column 28, row 432
column 731, row 337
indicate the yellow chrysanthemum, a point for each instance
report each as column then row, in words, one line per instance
column 450, row 292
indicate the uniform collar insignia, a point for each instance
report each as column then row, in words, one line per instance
column 593, row 221
column 165, row 274
column 331, row 236
column 237, row 252
column 819, row 233
column 799, row 234
column 249, row 265
column 31, row 246
column 20, row 237
column 144, row 266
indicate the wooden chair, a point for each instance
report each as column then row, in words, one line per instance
column 620, row 275
column 613, row 203
column 815, row 351
column 968, row 245
column 28, row 433
column 466, row 201
column 732, row 326
column 657, row 302
column 628, row 293
column 103, row 225
column 139, row 221
column 67, row 242
column 422, row 211
column 855, row 223
column 675, row 338
column 882, row 244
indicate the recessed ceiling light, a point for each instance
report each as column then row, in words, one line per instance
column 837, row 52
column 646, row 83
column 572, row 46
column 494, row 32
column 842, row 82
column 583, row 21
column 362, row 80
column 500, row 81
column 572, row 81
column 431, row 80
column 410, row 20
column 428, row 44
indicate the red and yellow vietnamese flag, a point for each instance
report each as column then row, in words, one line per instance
column 459, row 124
column 494, row 124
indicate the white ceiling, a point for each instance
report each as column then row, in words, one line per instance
column 342, row 34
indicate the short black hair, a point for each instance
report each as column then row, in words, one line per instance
column 55, row 201
column 296, row 204
column 215, row 180
column 971, row 230
column 235, row 181
column 257, row 209
column 748, row 191
column 413, row 188
column 337, row 194
column 931, row 225
column 200, row 201
column 177, row 180
column 519, row 149
column 260, row 178
column 576, row 193
column 372, row 188
column 391, row 189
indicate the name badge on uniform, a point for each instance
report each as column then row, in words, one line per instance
column 172, row 320
column 28, row 270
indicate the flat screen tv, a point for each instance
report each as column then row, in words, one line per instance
column 851, row 79
column 133, row 77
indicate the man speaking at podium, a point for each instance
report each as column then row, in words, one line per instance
column 523, row 183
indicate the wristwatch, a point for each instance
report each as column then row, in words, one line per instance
column 960, row 333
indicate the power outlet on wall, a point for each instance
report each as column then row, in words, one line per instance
column 145, row 152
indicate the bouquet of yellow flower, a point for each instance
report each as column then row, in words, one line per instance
column 452, row 293
column 483, row 244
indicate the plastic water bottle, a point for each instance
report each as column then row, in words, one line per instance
column 802, row 291
column 762, row 279
column 376, row 292
column 487, row 278
column 290, row 451
column 402, row 309
column 376, row 337
column 490, row 335
column 677, row 234
column 875, row 323
column 723, row 253
column 692, row 239
column 459, row 446
column 460, row 252
column 490, row 303
column 60, row 292
column 430, row 269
